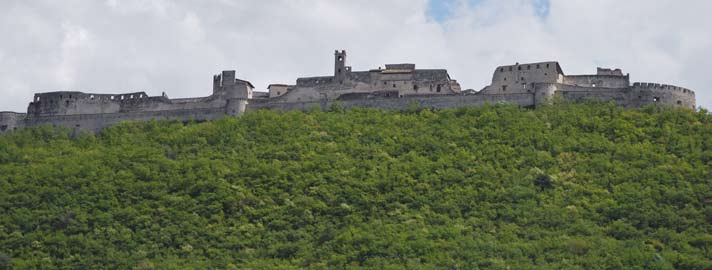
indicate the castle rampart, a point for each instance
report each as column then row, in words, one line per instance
column 596, row 81
column 10, row 121
column 645, row 93
column 397, row 86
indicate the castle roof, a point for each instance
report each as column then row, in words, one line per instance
column 247, row 82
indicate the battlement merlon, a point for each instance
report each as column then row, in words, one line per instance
column 547, row 65
column 58, row 96
column 663, row 87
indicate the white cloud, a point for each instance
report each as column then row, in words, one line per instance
column 175, row 46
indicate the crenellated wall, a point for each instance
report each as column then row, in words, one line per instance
column 66, row 102
column 398, row 86
column 642, row 93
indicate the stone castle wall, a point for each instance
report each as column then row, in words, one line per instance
column 10, row 121
column 397, row 87
column 396, row 103
column 97, row 122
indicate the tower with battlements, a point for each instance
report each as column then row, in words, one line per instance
column 397, row 86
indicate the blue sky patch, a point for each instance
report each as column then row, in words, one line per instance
column 441, row 10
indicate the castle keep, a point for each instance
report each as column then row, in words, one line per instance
column 394, row 87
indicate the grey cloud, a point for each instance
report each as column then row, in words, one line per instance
column 175, row 46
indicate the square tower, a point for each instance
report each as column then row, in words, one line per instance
column 340, row 68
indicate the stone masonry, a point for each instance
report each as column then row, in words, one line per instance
column 396, row 86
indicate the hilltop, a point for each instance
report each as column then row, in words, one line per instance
column 571, row 186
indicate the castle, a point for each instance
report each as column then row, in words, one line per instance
column 396, row 86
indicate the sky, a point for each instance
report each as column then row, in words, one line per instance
column 117, row 46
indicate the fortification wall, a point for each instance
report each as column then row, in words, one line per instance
column 10, row 121
column 597, row 81
column 96, row 122
column 581, row 93
column 315, row 81
column 520, row 77
column 414, row 82
column 66, row 102
column 642, row 94
column 177, row 104
column 62, row 103
column 544, row 93
column 397, row 87
column 638, row 95
column 432, row 101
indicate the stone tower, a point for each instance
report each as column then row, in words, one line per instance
column 340, row 68
column 227, row 86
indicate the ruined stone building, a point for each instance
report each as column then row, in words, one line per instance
column 396, row 80
column 396, row 86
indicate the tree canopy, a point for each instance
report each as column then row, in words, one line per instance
column 571, row 186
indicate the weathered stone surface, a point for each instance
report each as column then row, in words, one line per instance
column 398, row 86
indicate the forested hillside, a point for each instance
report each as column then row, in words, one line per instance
column 572, row 186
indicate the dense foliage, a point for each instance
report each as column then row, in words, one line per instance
column 572, row 186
